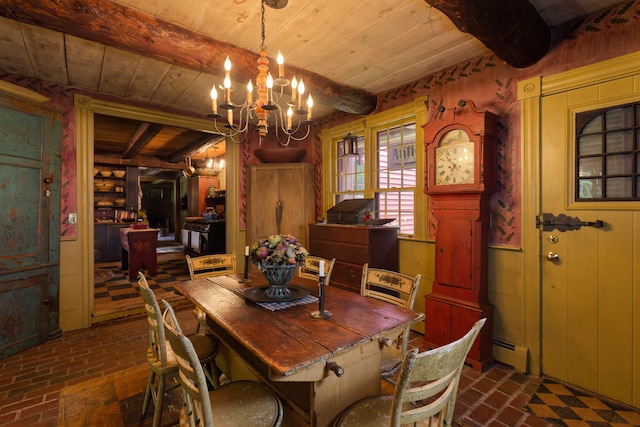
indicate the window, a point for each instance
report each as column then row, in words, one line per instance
column 396, row 175
column 383, row 166
column 608, row 154
column 350, row 171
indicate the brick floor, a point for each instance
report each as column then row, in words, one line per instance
column 30, row 382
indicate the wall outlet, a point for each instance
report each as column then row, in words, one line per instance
column 73, row 218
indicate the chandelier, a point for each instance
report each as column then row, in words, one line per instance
column 292, row 120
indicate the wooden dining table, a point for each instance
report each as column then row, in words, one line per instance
column 317, row 366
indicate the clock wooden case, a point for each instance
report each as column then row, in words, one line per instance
column 459, row 178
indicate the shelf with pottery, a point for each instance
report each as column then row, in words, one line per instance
column 115, row 193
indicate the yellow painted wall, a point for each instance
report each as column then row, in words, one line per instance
column 416, row 257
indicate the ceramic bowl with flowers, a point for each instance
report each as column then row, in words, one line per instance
column 277, row 257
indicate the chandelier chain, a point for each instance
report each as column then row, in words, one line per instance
column 262, row 45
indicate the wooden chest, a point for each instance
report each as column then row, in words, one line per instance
column 352, row 247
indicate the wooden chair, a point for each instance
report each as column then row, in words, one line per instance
column 207, row 266
column 161, row 358
column 211, row 265
column 426, row 390
column 398, row 289
column 311, row 268
column 238, row 403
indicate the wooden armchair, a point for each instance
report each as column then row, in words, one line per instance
column 426, row 390
column 398, row 289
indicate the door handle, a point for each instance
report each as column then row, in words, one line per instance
column 553, row 257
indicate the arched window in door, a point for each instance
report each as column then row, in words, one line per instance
column 608, row 154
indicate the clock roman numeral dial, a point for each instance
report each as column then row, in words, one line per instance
column 454, row 164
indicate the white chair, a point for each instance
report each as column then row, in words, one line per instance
column 208, row 266
column 161, row 358
column 425, row 392
column 238, row 403
column 398, row 289
column 311, row 268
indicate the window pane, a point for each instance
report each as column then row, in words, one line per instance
column 591, row 144
column 618, row 187
column 620, row 164
column 590, row 166
column 398, row 205
column 350, row 168
column 590, row 189
column 619, row 118
column 594, row 126
column 619, row 141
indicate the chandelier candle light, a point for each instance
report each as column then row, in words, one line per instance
column 266, row 102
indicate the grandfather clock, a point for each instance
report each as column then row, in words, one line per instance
column 460, row 178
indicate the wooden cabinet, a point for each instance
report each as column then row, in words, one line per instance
column 106, row 242
column 197, row 192
column 352, row 246
column 280, row 199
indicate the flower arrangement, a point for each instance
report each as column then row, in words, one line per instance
column 277, row 249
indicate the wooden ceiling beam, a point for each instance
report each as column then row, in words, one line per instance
column 142, row 161
column 129, row 29
column 512, row 29
column 140, row 139
column 191, row 149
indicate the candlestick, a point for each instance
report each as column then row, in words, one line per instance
column 321, row 313
column 246, row 265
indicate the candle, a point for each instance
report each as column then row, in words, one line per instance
column 300, row 93
column 269, row 89
column 280, row 60
column 294, row 89
column 289, row 117
column 214, row 100
column 249, row 92
column 230, row 117
column 321, row 272
column 310, row 106
column 246, row 264
column 227, row 80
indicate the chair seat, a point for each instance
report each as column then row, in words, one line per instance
column 242, row 403
column 206, row 346
column 373, row 411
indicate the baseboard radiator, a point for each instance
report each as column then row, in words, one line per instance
column 512, row 355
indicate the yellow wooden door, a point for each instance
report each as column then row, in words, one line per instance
column 590, row 276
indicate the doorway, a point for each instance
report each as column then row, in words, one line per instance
column 86, row 107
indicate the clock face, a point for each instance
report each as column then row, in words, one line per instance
column 454, row 159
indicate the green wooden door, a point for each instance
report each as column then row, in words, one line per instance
column 30, row 138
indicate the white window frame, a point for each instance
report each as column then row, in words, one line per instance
column 368, row 127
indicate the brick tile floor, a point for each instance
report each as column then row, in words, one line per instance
column 31, row 381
